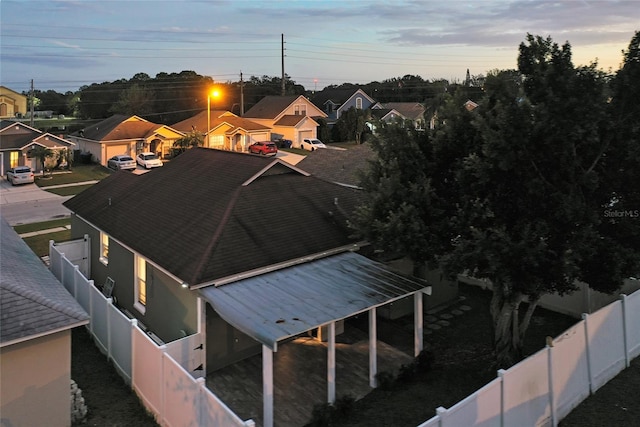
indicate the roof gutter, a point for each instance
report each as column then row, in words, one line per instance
column 44, row 334
column 279, row 266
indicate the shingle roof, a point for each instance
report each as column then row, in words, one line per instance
column 12, row 139
column 411, row 110
column 32, row 301
column 270, row 107
column 16, row 141
column 290, row 120
column 209, row 214
column 336, row 96
column 199, row 122
column 339, row 166
column 119, row 127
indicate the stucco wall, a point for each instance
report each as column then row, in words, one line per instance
column 36, row 377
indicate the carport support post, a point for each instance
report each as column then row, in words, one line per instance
column 373, row 348
column 418, row 336
column 331, row 363
column 267, row 385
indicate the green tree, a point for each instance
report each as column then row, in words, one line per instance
column 350, row 126
column 516, row 191
column 192, row 139
column 136, row 100
column 42, row 153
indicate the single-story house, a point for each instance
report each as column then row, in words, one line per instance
column 18, row 139
column 12, row 103
column 38, row 315
column 224, row 130
column 413, row 111
column 120, row 134
column 247, row 250
column 292, row 117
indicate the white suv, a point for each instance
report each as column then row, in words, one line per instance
column 312, row 144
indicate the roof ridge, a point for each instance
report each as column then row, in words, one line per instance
column 206, row 254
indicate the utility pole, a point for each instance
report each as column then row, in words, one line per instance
column 241, row 95
column 32, row 99
column 282, row 49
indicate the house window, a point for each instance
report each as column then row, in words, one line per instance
column 303, row 110
column 15, row 155
column 104, row 248
column 140, row 285
column 359, row 103
column 296, row 110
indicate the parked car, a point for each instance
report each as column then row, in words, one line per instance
column 20, row 175
column 148, row 160
column 312, row 144
column 121, row 161
column 283, row 143
column 266, row 148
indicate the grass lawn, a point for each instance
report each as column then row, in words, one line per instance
column 69, row 191
column 79, row 173
column 37, row 226
column 40, row 244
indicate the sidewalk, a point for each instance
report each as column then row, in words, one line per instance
column 47, row 231
column 31, row 192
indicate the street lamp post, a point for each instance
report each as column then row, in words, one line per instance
column 215, row 94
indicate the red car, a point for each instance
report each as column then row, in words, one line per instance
column 266, row 148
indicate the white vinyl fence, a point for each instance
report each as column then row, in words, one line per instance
column 544, row 388
column 539, row 391
column 163, row 376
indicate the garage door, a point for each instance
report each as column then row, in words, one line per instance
column 302, row 135
column 113, row 150
column 255, row 137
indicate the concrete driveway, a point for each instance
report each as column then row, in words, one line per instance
column 28, row 203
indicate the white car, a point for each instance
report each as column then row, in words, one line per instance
column 148, row 160
column 20, row 175
column 121, row 161
column 312, row 144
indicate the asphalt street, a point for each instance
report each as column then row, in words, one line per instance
column 27, row 203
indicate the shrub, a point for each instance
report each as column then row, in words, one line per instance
column 385, row 380
column 326, row 414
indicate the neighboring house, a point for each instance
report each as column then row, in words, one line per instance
column 334, row 102
column 292, row 117
column 12, row 103
column 227, row 243
column 386, row 115
column 224, row 130
column 120, row 134
column 342, row 167
column 16, row 141
column 38, row 315
column 413, row 111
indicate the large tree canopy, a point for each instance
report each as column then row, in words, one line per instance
column 530, row 190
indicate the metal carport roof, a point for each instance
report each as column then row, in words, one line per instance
column 284, row 303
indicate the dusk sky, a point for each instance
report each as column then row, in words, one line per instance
column 63, row 45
